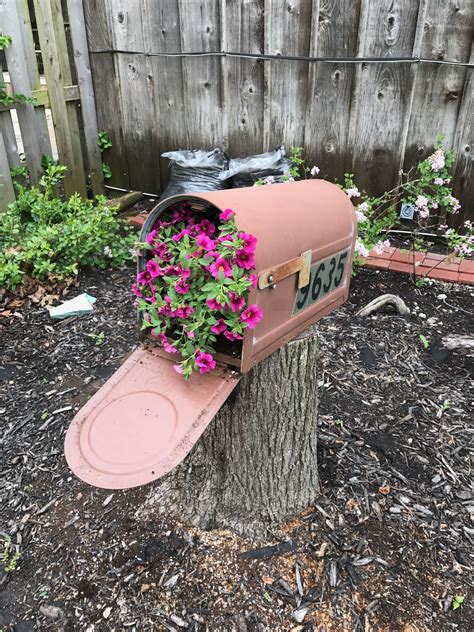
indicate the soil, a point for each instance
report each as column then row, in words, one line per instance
column 387, row 544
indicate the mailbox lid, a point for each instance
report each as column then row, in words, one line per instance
column 143, row 421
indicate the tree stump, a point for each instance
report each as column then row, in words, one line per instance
column 256, row 462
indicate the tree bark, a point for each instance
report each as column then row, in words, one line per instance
column 256, row 462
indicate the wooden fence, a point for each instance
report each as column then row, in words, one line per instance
column 370, row 118
column 65, row 89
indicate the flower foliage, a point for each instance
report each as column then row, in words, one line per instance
column 194, row 287
column 426, row 188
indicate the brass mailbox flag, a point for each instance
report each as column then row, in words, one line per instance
column 301, row 264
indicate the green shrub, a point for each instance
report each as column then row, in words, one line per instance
column 46, row 237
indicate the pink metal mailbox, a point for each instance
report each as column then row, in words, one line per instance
column 146, row 418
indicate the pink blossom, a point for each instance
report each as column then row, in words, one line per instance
column 363, row 207
column 136, row 290
column 143, row 277
column 150, row 238
column 160, row 249
column 361, row 249
column 249, row 242
column 454, row 202
column 205, row 362
column 205, row 242
column 213, row 304
column 154, row 268
column 226, row 215
column 424, row 212
column 181, row 234
column 190, row 334
column 245, row 259
column 380, row 246
column 353, row 192
column 438, row 181
column 220, row 265
column 166, row 345
column 269, row 180
column 184, row 312
column 251, row 316
column 237, row 303
column 314, row 171
column 467, row 224
column 421, row 200
column 206, row 227
column 253, row 278
column 178, row 368
column 219, row 327
column 231, row 335
column 360, row 216
column 437, row 160
column 182, row 287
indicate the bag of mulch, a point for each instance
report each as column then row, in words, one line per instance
column 196, row 170
column 244, row 172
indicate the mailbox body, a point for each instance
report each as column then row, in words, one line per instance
column 312, row 216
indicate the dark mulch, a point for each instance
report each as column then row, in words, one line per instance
column 386, row 546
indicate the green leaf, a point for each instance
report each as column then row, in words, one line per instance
column 424, row 341
column 458, row 601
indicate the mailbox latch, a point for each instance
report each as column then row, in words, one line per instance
column 300, row 265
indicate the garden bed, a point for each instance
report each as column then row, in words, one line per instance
column 386, row 545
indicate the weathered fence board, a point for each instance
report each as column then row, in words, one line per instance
column 373, row 118
column 7, row 194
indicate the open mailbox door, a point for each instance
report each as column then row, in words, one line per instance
column 143, row 421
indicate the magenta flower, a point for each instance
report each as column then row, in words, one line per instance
column 178, row 368
column 231, row 335
column 251, row 316
column 220, row 265
column 180, row 235
column 253, row 278
column 213, row 304
column 206, row 227
column 184, row 312
column 245, row 259
column 182, row 287
column 237, row 303
column 226, row 215
column 219, row 327
column 205, row 242
column 143, row 277
column 154, row 268
column 205, row 362
column 160, row 250
column 249, row 242
column 136, row 290
column 150, row 238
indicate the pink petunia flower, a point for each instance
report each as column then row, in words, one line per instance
column 206, row 227
column 220, row 265
column 154, row 268
column 226, row 215
column 160, row 249
column 136, row 290
column 180, row 235
column 213, row 304
column 230, row 335
column 150, row 238
column 219, row 327
column 249, row 242
column 237, row 303
column 251, row 316
column 178, row 368
column 182, row 287
column 205, row 362
column 184, row 312
column 205, row 242
column 253, row 278
column 143, row 277
column 245, row 259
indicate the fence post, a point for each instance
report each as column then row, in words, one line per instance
column 21, row 62
column 7, row 193
column 57, row 70
column 84, row 79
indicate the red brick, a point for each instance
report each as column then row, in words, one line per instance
column 452, row 267
column 386, row 254
column 397, row 266
column 444, row 275
column 376, row 262
column 466, row 266
column 402, row 257
column 468, row 279
column 435, row 256
column 137, row 220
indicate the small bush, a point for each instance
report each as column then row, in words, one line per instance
column 46, row 237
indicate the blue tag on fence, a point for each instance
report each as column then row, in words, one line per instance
column 407, row 211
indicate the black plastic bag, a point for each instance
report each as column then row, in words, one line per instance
column 196, row 170
column 244, row 172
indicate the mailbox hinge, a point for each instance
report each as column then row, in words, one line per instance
column 300, row 265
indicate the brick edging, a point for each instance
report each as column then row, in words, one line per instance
column 452, row 269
